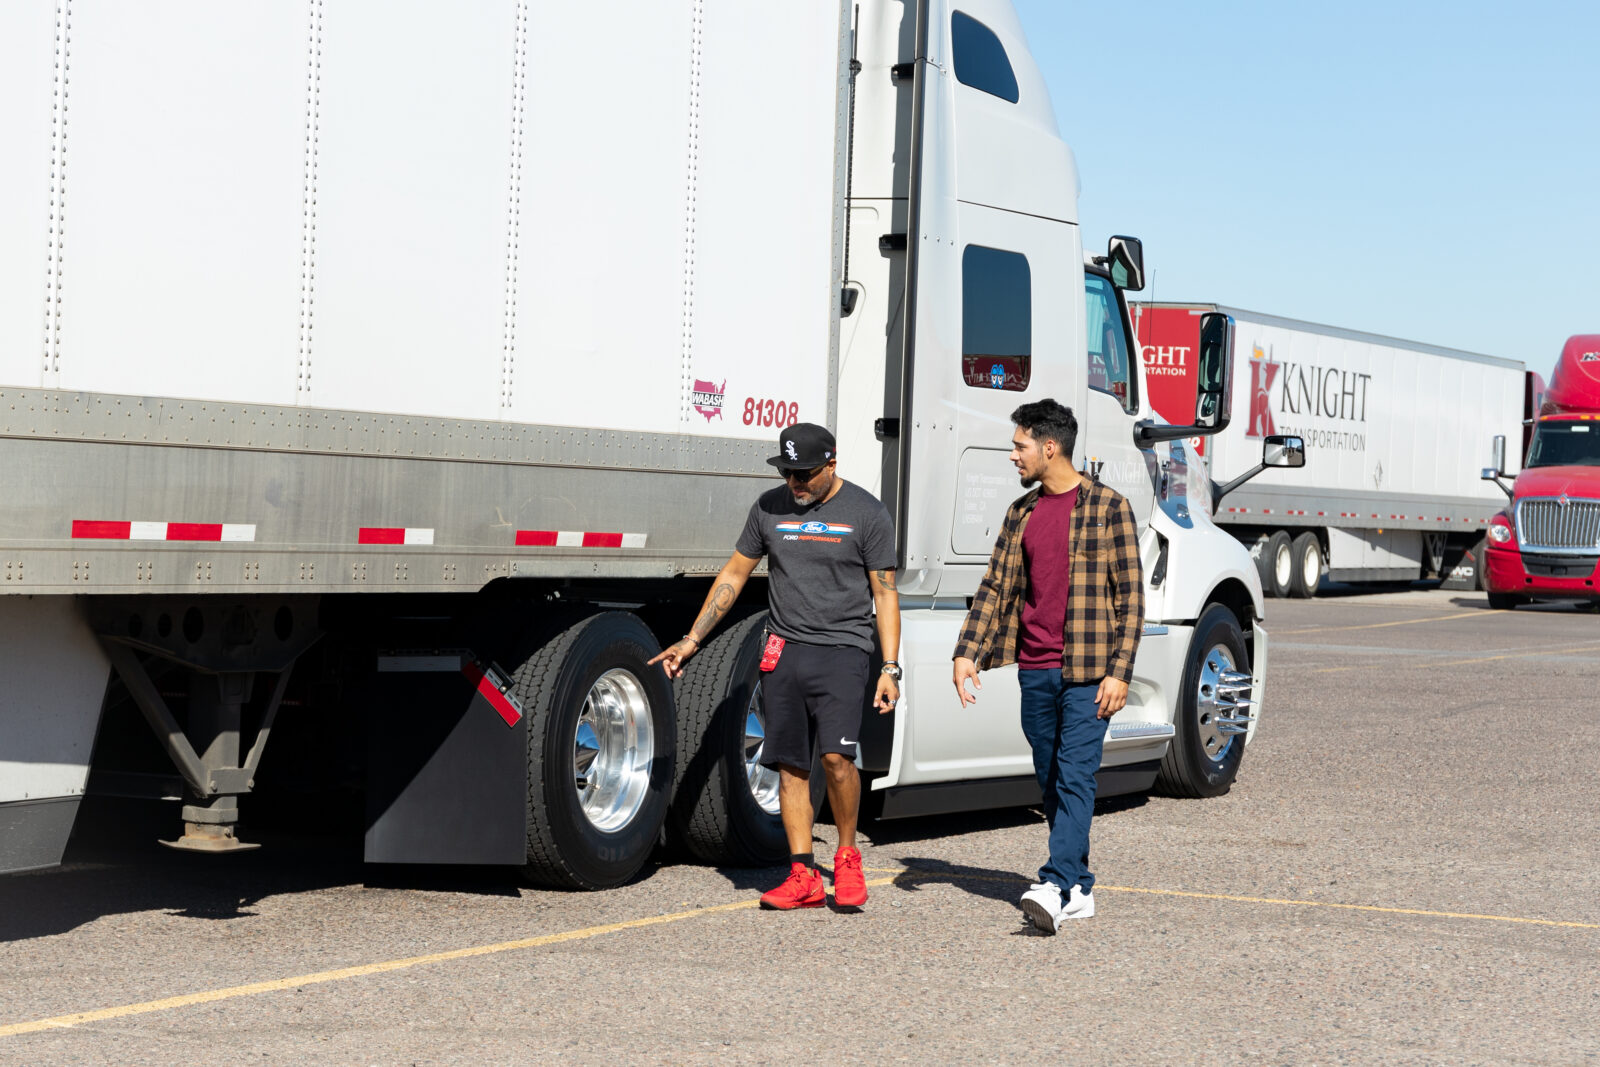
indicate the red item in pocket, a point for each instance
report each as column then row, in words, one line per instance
column 770, row 654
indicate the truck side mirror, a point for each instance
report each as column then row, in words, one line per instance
column 1213, row 405
column 1497, row 458
column 1126, row 257
column 1280, row 451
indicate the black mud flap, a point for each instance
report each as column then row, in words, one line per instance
column 447, row 776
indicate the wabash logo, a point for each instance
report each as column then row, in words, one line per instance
column 707, row 398
column 1263, row 372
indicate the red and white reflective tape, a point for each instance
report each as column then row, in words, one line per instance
column 395, row 535
column 484, row 680
column 579, row 539
column 102, row 530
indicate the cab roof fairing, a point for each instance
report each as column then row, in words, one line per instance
column 1033, row 109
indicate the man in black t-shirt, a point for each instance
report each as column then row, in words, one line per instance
column 831, row 564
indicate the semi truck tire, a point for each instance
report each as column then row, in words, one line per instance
column 724, row 806
column 602, row 735
column 1201, row 761
column 1306, row 570
column 1277, row 564
column 1505, row 601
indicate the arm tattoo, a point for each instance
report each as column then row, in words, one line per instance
column 722, row 598
column 885, row 579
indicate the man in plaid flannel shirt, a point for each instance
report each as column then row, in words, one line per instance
column 1063, row 598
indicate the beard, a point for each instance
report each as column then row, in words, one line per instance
column 808, row 496
column 1029, row 481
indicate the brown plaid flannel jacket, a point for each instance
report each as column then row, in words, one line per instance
column 1105, row 601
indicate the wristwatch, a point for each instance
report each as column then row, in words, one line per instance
column 892, row 669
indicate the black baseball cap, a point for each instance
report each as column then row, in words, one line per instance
column 803, row 446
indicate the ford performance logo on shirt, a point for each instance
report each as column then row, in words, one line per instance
column 814, row 531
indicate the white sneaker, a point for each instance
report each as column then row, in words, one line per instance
column 1042, row 905
column 1079, row 905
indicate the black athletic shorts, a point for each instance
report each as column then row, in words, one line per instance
column 815, row 691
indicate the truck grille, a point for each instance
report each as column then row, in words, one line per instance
column 1548, row 523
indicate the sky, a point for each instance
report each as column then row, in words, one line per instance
column 1428, row 171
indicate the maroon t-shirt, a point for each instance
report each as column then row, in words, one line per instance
column 1047, row 552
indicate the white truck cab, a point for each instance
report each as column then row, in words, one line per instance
column 972, row 261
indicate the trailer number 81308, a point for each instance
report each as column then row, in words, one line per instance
column 778, row 413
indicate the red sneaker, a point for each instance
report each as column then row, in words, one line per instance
column 802, row 889
column 849, row 885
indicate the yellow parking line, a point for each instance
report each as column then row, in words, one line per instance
column 280, row 984
column 1592, row 647
column 1352, row 907
column 956, row 876
column 1380, row 625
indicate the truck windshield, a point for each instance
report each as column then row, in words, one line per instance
column 1565, row 444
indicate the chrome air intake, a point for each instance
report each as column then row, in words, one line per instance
column 1558, row 524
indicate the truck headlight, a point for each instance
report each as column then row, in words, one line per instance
column 1500, row 531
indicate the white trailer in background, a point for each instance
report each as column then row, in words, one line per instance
column 1393, row 431
column 388, row 381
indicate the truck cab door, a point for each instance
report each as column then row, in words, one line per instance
column 993, row 294
column 1115, row 401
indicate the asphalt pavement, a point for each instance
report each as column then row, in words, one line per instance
column 1407, row 871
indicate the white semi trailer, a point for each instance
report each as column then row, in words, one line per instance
column 380, row 384
column 1391, row 429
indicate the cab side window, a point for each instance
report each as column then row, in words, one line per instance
column 1110, row 370
column 996, row 319
column 980, row 58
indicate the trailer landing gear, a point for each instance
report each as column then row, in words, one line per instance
column 223, row 648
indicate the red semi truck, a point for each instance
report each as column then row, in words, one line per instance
column 1546, row 544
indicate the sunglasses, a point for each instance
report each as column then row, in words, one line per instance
column 791, row 474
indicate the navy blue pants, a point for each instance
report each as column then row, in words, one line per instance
column 1067, row 736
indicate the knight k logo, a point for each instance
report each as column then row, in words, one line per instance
column 1263, row 373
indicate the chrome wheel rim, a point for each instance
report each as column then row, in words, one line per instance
column 1311, row 566
column 612, row 749
column 763, row 781
column 1206, row 699
column 1283, row 565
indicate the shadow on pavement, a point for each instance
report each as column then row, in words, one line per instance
column 985, row 882
column 114, row 865
column 924, row 827
column 1330, row 590
column 1569, row 606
